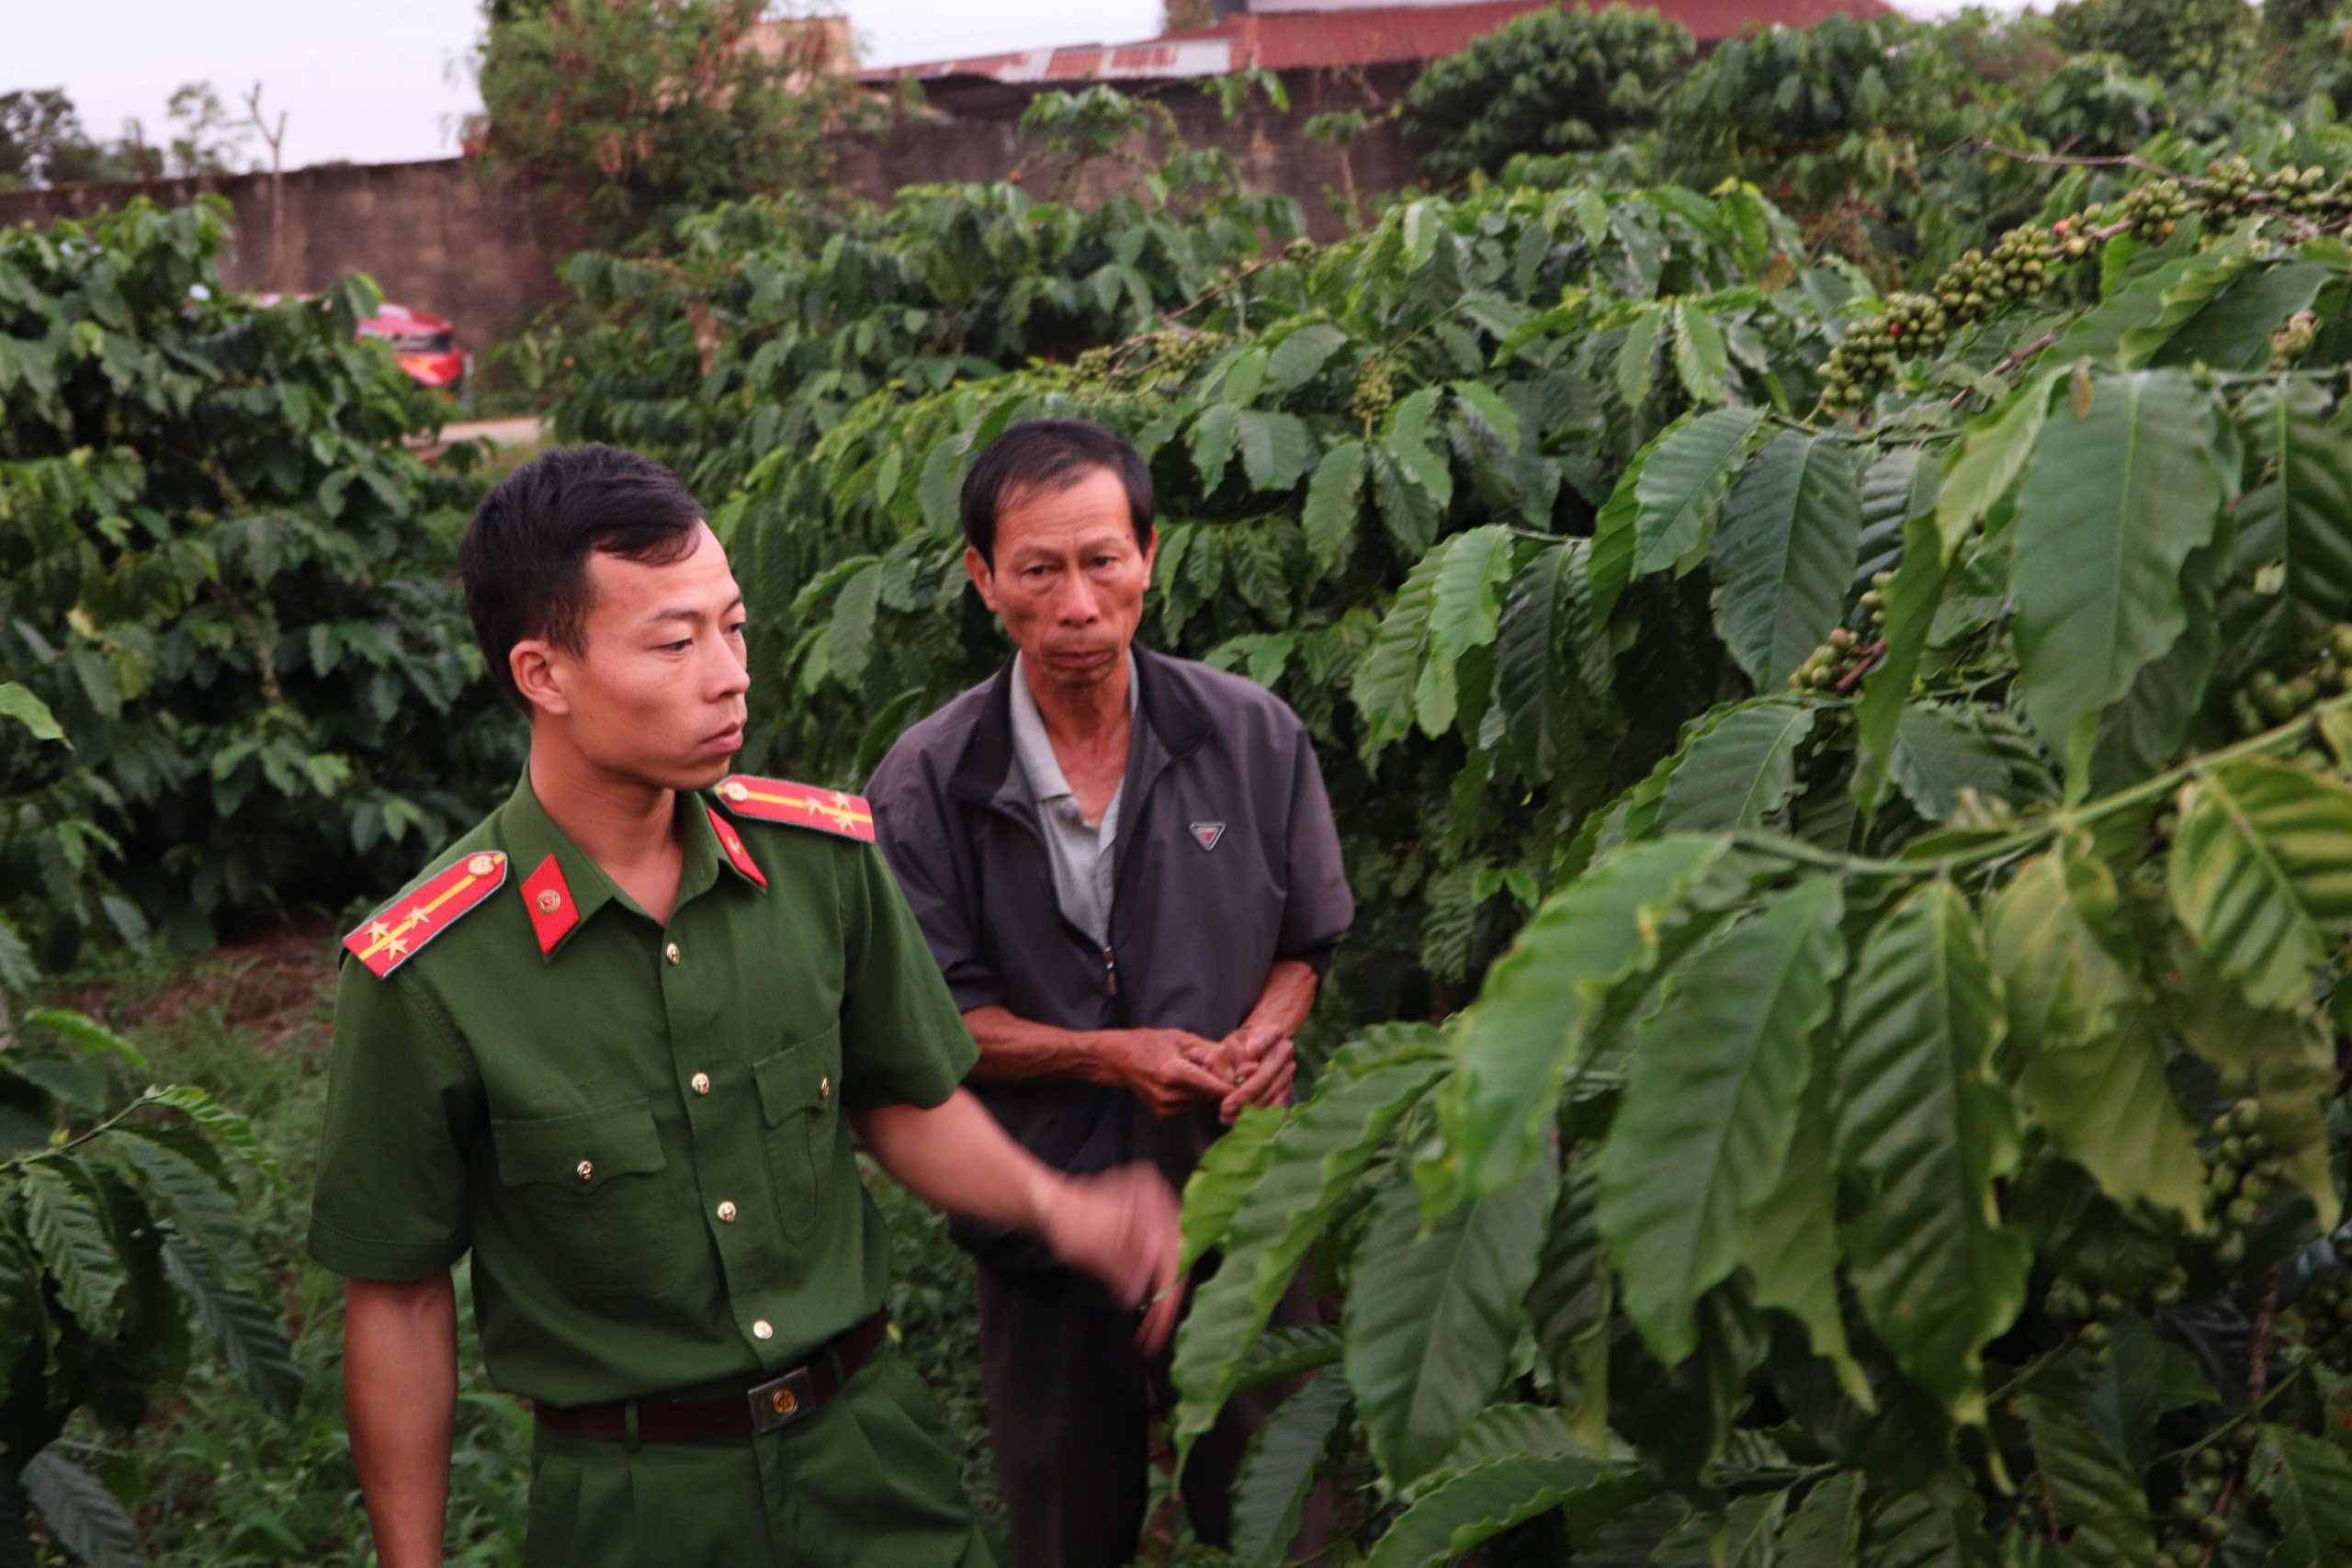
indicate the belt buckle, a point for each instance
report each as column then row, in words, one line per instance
column 781, row 1401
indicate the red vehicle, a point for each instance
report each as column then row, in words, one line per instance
column 425, row 345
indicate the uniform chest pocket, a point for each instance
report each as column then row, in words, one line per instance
column 800, row 1097
column 593, row 1204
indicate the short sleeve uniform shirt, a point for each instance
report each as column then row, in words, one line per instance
column 637, row 1128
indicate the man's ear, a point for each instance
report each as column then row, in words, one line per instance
column 1150, row 551
column 983, row 576
column 537, row 668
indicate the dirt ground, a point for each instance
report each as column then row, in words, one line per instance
column 275, row 986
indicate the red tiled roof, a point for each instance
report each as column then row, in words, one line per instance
column 1342, row 36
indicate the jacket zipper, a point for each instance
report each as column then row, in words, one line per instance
column 1110, row 954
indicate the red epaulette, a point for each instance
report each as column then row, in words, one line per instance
column 802, row 806
column 398, row 933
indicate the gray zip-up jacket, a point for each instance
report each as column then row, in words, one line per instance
column 1227, row 860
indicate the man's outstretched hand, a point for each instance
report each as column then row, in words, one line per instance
column 1122, row 1228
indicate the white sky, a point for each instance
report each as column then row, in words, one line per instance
column 384, row 81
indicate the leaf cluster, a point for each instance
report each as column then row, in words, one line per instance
column 1874, row 1097
column 2170, row 40
column 120, row 1238
column 225, row 581
column 1553, row 80
column 642, row 110
column 776, row 318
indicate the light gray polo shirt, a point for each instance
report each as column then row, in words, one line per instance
column 1081, row 853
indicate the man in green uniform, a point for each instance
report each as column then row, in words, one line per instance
column 609, row 1043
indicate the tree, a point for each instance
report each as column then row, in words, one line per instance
column 2165, row 38
column 226, row 580
column 34, row 124
column 274, row 136
column 42, row 143
column 1552, row 81
column 644, row 110
column 207, row 137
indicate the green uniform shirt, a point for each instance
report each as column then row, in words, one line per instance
column 638, row 1132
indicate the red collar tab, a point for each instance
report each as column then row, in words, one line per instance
column 547, row 899
column 398, row 933
column 799, row 806
column 732, row 843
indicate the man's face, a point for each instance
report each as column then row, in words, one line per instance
column 655, row 696
column 1068, row 581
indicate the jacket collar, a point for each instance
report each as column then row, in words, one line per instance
column 1169, row 724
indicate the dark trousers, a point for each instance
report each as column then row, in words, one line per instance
column 1070, row 1404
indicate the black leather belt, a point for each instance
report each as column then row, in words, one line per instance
column 763, row 1408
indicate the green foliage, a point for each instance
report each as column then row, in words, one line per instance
column 42, row 143
column 1873, row 764
column 776, row 320
column 2165, row 38
column 639, row 111
column 224, row 585
column 1555, row 80
column 1986, row 1036
column 119, row 1227
column 2095, row 106
column 1788, row 85
column 217, row 1475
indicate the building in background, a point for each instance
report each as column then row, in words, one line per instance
column 1369, row 52
column 819, row 43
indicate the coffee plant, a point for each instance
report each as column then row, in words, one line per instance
column 2168, row 38
column 120, row 1240
column 771, row 320
column 1913, row 1123
column 1862, row 778
column 223, row 584
column 1553, row 80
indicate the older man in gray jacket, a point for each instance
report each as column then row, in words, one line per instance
column 1126, row 865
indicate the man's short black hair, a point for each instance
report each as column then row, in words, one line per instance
column 524, row 557
column 1047, row 454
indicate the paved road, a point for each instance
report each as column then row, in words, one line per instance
column 505, row 432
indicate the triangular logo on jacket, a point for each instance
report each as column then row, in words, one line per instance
column 1206, row 834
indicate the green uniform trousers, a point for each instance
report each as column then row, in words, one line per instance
column 867, row 1482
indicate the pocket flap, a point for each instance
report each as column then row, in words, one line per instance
column 582, row 1150
column 804, row 1076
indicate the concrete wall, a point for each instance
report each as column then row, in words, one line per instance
column 435, row 235
column 439, row 237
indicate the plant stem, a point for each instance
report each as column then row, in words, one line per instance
column 2064, row 820
column 2265, row 1322
column 2062, row 161
column 2009, row 361
column 75, row 1143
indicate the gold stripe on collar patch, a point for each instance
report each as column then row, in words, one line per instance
column 799, row 806
column 399, row 932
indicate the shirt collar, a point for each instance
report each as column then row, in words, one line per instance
column 532, row 838
column 1033, row 747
